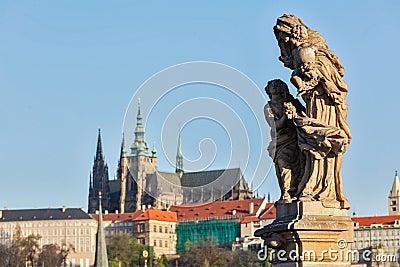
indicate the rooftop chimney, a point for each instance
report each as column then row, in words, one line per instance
column 251, row 208
column 1, row 214
column 64, row 208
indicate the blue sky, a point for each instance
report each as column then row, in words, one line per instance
column 68, row 68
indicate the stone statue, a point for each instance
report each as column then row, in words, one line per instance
column 307, row 147
column 283, row 148
column 322, row 132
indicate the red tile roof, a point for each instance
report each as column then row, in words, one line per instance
column 220, row 210
column 269, row 212
column 118, row 217
column 156, row 215
column 384, row 220
column 249, row 219
column 148, row 214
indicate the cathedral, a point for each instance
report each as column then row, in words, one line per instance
column 140, row 184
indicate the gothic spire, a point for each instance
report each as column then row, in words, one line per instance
column 99, row 150
column 101, row 249
column 179, row 158
column 90, row 181
column 99, row 179
column 122, row 151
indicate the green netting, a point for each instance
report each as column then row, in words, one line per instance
column 218, row 231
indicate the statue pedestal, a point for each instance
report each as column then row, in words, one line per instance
column 308, row 234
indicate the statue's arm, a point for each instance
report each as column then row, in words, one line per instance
column 272, row 120
column 269, row 116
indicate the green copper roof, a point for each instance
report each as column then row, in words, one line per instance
column 139, row 146
column 179, row 157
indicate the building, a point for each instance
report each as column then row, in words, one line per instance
column 150, row 227
column 380, row 234
column 220, row 222
column 118, row 224
column 157, row 228
column 139, row 183
column 394, row 197
column 63, row 227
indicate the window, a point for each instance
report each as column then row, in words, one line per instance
column 166, row 243
column 166, row 229
column 155, row 243
column 393, row 202
column 160, row 229
column 393, row 208
column 160, row 242
column 155, row 228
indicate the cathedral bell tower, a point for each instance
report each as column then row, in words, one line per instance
column 140, row 165
column 394, row 197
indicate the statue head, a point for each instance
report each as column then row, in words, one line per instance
column 299, row 33
column 277, row 87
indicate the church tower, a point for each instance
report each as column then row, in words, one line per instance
column 99, row 181
column 140, row 165
column 394, row 197
column 179, row 158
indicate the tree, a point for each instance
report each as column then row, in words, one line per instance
column 119, row 247
column 50, row 256
column 125, row 250
column 205, row 254
column 31, row 247
column 65, row 251
column 244, row 258
column 23, row 249
column 162, row 261
column 3, row 255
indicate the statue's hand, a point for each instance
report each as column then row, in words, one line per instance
column 290, row 110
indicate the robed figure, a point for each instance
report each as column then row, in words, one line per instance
column 322, row 132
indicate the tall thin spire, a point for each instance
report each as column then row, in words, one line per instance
column 101, row 259
column 90, row 181
column 122, row 173
column 123, row 151
column 179, row 157
column 99, row 150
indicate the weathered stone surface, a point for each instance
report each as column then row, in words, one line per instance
column 309, row 235
column 312, row 227
column 310, row 170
